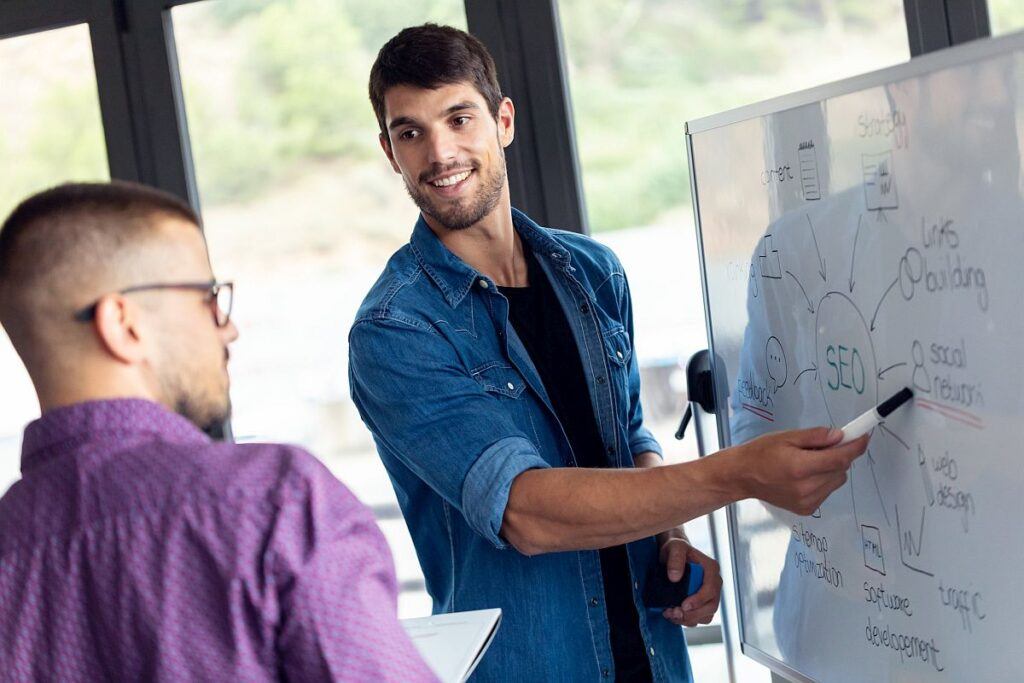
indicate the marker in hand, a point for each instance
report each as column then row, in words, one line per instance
column 866, row 422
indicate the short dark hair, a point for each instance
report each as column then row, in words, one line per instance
column 77, row 201
column 430, row 56
column 59, row 236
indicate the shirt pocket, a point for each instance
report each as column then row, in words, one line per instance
column 505, row 383
column 618, row 348
column 499, row 378
column 619, row 352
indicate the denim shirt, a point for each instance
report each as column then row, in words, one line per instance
column 458, row 411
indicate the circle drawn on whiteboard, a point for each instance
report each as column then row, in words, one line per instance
column 776, row 363
column 846, row 363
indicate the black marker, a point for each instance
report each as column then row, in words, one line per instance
column 866, row 422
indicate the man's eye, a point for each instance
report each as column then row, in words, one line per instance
column 460, row 120
column 408, row 134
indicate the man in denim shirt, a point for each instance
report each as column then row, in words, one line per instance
column 493, row 362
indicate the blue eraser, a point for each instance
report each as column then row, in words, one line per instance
column 696, row 578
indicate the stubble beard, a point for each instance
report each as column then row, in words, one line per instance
column 462, row 214
column 207, row 406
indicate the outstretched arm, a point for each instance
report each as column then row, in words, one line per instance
column 559, row 509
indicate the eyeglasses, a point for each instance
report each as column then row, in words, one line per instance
column 220, row 296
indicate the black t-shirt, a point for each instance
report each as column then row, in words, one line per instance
column 541, row 325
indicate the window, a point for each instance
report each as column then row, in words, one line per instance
column 638, row 71
column 1005, row 16
column 302, row 210
column 50, row 132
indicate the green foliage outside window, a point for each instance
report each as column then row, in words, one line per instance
column 639, row 69
column 298, row 76
column 64, row 142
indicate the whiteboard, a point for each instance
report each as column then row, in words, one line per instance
column 856, row 239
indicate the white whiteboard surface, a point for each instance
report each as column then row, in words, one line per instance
column 856, row 239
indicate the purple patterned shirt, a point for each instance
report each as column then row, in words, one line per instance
column 134, row 548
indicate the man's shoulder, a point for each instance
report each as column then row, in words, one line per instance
column 261, row 474
column 399, row 293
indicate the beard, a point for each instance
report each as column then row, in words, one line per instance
column 206, row 405
column 206, row 416
column 462, row 213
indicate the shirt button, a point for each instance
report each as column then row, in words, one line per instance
column 584, row 309
column 619, row 354
column 636, row 585
column 611, row 450
column 652, row 651
column 593, row 602
column 600, row 380
column 483, row 283
column 511, row 387
column 604, row 673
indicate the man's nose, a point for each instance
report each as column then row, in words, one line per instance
column 443, row 149
column 230, row 332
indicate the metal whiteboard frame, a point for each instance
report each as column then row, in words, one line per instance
column 960, row 55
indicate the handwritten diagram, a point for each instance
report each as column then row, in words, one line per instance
column 843, row 301
column 874, row 241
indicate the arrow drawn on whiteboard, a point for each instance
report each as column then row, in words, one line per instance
column 878, row 490
column 925, row 477
column 821, row 262
column 853, row 500
column 810, row 306
column 893, row 434
column 879, row 306
column 853, row 256
column 814, row 368
column 895, row 365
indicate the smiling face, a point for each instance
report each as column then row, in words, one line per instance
column 449, row 151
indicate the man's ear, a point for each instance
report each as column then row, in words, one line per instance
column 385, row 144
column 117, row 327
column 506, row 122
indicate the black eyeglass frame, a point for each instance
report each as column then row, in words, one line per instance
column 211, row 287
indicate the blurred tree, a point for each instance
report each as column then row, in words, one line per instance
column 65, row 143
column 640, row 68
column 309, row 74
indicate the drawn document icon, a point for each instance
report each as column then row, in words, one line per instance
column 872, row 540
column 771, row 265
column 879, row 182
column 809, row 171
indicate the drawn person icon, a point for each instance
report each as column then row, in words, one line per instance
column 922, row 380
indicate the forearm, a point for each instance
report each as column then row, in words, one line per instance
column 652, row 459
column 552, row 510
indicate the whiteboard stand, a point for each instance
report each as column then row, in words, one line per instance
column 703, row 405
column 701, row 399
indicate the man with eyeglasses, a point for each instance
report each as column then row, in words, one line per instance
column 134, row 547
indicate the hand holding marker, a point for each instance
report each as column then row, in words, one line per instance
column 866, row 422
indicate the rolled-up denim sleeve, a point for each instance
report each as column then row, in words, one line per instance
column 423, row 408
